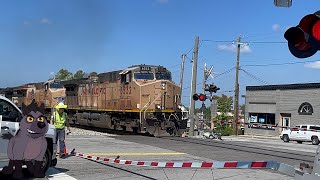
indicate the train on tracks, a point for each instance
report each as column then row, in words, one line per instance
column 139, row 99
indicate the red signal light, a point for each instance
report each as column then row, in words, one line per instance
column 304, row 39
column 316, row 30
column 202, row 97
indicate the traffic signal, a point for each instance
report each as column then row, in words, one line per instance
column 201, row 97
column 304, row 39
column 211, row 88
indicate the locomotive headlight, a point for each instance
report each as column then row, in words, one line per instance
column 163, row 85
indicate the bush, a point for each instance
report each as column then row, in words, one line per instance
column 225, row 131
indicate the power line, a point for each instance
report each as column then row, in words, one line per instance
column 228, row 71
column 278, row 64
column 250, row 42
column 266, row 42
column 254, row 77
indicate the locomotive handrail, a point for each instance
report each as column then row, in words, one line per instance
column 143, row 109
column 144, row 113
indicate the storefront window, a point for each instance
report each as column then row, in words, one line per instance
column 263, row 118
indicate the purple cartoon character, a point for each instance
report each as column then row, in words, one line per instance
column 29, row 144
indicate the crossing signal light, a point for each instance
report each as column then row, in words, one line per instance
column 211, row 88
column 304, row 39
column 201, row 97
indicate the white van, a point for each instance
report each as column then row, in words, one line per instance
column 11, row 115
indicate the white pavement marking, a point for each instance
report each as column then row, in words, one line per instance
column 54, row 174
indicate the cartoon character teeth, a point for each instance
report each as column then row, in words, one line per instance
column 29, row 143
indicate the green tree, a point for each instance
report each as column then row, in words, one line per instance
column 79, row 74
column 93, row 74
column 224, row 107
column 64, row 74
column 206, row 112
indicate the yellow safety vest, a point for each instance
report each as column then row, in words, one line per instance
column 59, row 122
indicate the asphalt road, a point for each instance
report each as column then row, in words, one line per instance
column 231, row 150
column 168, row 149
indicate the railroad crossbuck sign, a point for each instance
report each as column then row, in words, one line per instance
column 304, row 39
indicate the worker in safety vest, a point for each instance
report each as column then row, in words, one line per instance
column 60, row 119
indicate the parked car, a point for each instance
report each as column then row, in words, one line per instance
column 302, row 133
column 11, row 115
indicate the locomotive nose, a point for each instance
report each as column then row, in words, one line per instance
column 41, row 125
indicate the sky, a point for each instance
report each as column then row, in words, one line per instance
column 39, row 37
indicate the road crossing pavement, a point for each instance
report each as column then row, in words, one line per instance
column 73, row 168
column 104, row 146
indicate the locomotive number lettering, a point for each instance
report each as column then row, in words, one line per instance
column 125, row 89
column 96, row 91
column 145, row 68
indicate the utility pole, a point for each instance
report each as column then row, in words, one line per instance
column 193, row 85
column 236, row 91
column 181, row 74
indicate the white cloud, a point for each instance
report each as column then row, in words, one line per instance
column 314, row 65
column 45, row 21
column 51, row 73
column 163, row 1
column 276, row 27
column 233, row 48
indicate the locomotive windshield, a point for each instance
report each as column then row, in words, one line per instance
column 56, row 85
column 163, row 76
column 148, row 76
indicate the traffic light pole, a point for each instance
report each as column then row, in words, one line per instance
column 236, row 91
column 193, row 86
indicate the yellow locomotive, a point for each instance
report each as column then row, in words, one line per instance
column 141, row 98
column 49, row 93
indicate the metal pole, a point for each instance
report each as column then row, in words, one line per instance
column 181, row 75
column 193, row 85
column 204, row 92
column 236, row 91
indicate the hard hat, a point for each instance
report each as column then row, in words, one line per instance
column 61, row 106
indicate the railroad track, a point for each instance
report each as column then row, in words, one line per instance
column 237, row 146
column 278, row 153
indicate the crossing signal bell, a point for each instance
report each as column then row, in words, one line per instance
column 201, row 97
column 304, row 39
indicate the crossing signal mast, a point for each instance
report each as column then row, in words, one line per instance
column 304, row 39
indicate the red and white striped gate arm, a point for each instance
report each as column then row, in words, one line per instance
column 212, row 164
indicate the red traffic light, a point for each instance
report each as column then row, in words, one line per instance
column 304, row 40
column 202, row 97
